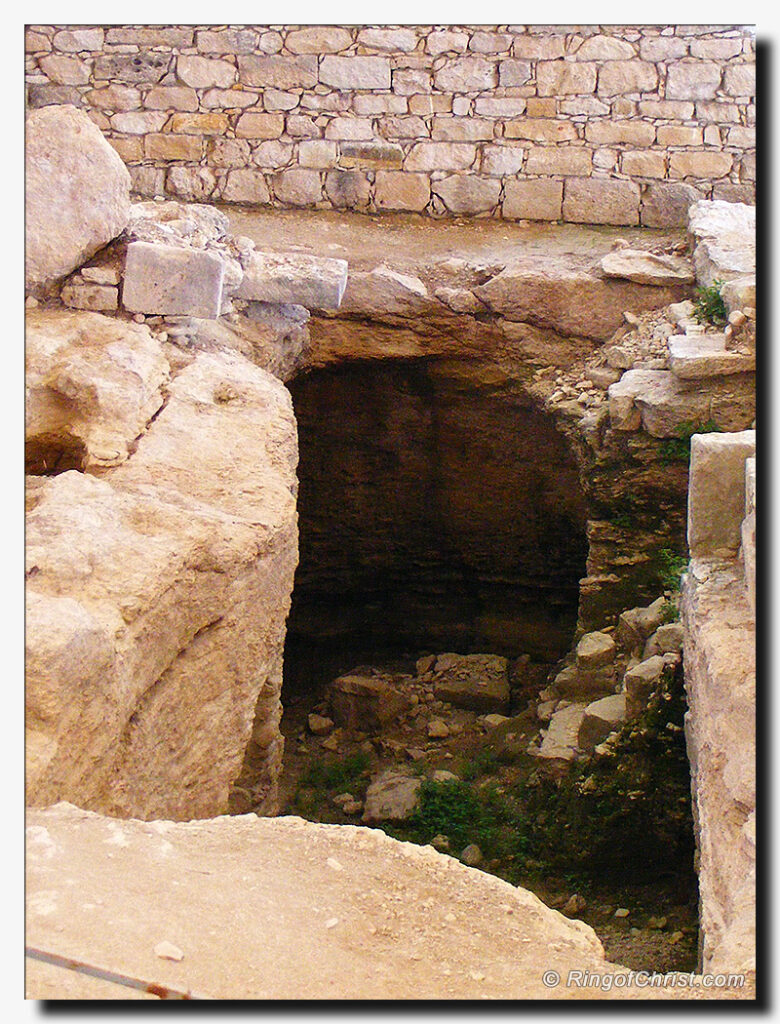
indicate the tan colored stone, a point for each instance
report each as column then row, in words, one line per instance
column 699, row 165
column 447, row 41
column 348, row 190
column 229, row 99
column 716, row 494
column 298, row 186
column 245, row 185
column 502, row 160
column 171, row 97
column 467, row 193
column 677, row 135
column 139, row 122
column 466, row 74
column 367, row 103
column 67, row 156
column 36, row 42
column 191, row 183
column 538, row 47
column 409, row 127
column 662, row 48
column 172, row 37
column 199, row 124
column 644, row 164
column 231, row 40
column 115, row 97
column 400, row 190
column 318, row 39
column 540, row 130
column 392, row 40
column 252, row 125
column 678, row 110
column 65, row 70
column 558, row 160
column 421, row 104
column 718, row 111
column 490, row 42
column 77, row 40
column 596, row 201
column 541, row 106
column 587, row 105
column 693, row 80
column 228, row 152
column 279, row 72
column 461, row 129
column 513, row 73
column 130, row 150
column 619, row 77
column 533, row 200
column 172, row 147
column 716, row 49
column 665, row 205
column 205, row 72
column 604, row 48
column 317, row 153
column 740, row 80
column 634, row 133
column 410, row 81
column 349, row 128
column 555, row 78
column 440, row 156
column 380, row 155
column 355, row 72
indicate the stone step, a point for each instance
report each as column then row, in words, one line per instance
column 693, row 358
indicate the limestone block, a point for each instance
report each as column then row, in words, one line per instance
column 558, row 77
column 355, row 72
column 466, row 74
column 253, row 125
column 600, row 719
column 77, row 194
column 245, row 185
column 479, row 682
column 347, row 189
column 401, row 190
column 318, row 39
column 647, row 268
column 604, row 48
column 490, row 42
column 561, row 744
column 139, row 122
column 440, row 156
column 502, row 160
column 298, row 186
column 446, row 42
column 93, row 384
column 678, row 135
column 600, row 201
column 279, row 72
column 317, row 153
column 76, row 40
column 461, row 129
column 187, row 576
column 574, row 683
column 595, row 650
column 559, row 160
column 630, row 132
column 43, row 95
column 191, row 183
column 513, row 73
column 665, row 205
column 205, row 72
column 349, row 128
column 640, row 681
column 667, row 639
column 698, row 357
column 172, row 147
column 64, row 70
column 365, row 703
column 232, row 99
column 749, row 533
column 374, row 155
column 174, row 280
column 231, row 40
column 617, row 78
column 391, row 796
column 199, row 124
column 644, row 165
column 636, row 624
column 117, row 97
column 391, row 39
column 662, row 48
column 507, row 106
column 693, row 80
column 674, row 110
column 716, row 492
column 385, row 291
column 532, row 47
column 540, row 130
column 87, row 295
column 315, row 282
column 623, row 412
column 411, row 81
column 175, row 38
column 740, row 80
column 467, row 194
column 700, row 165
column 723, row 237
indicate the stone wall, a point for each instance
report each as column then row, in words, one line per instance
column 594, row 124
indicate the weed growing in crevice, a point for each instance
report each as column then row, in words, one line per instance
column 678, row 449
column 709, row 307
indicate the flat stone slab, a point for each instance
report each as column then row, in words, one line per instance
column 647, row 268
column 281, row 908
column 479, row 682
column 561, row 744
column 315, row 282
column 173, row 280
column 697, row 358
column 601, row 718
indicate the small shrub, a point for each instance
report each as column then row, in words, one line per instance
column 327, row 776
column 671, row 567
column 709, row 307
column 484, row 762
column 678, row 449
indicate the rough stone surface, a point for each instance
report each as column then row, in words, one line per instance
column 311, row 281
column 636, row 624
column 391, row 796
column 561, row 744
column 479, row 682
column 365, row 702
column 647, row 268
column 92, row 385
column 640, row 681
column 600, row 719
column 157, row 598
column 724, row 240
column 77, row 194
column 78, row 861
column 716, row 503
column 595, row 650
column 174, row 280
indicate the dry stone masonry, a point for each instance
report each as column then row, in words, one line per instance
column 583, row 123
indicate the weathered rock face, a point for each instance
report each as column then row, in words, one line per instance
column 111, row 893
column 77, row 196
column 157, row 594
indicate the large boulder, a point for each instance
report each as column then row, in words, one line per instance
column 157, row 598
column 77, row 194
column 364, row 700
column 391, row 796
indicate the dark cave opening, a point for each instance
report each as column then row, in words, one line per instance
column 439, row 509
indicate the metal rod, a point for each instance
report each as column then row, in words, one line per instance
column 152, row 987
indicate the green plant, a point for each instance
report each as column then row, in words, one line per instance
column 709, row 307
column 670, row 612
column 483, row 762
column 327, row 776
column 678, row 449
column 671, row 567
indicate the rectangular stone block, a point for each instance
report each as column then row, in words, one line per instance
column 559, row 160
column 699, row 165
column 232, row 40
column 317, row 153
column 170, row 280
column 466, row 74
column 540, row 129
column 440, row 156
column 644, row 164
column 173, row 147
column 600, row 201
column 502, row 160
column 740, row 80
column 554, row 78
column 693, row 80
column 355, row 72
column 254, row 125
column 199, row 124
column 716, row 492
column 506, row 106
column 678, row 135
column 619, row 77
column 634, row 133
column 399, row 190
column 311, row 281
column 461, row 129
column 533, row 200
column 673, row 110
column 279, row 72
column 370, row 154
